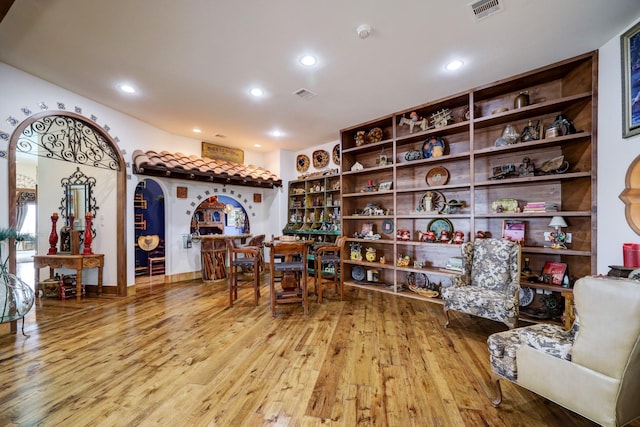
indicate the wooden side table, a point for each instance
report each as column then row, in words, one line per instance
column 74, row 262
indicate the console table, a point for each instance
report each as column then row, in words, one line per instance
column 74, row 262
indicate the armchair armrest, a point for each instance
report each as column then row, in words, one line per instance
column 550, row 339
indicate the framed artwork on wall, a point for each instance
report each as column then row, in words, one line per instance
column 630, row 49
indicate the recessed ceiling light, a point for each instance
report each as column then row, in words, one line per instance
column 454, row 65
column 127, row 88
column 308, row 60
column 276, row 133
column 257, row 145
column 257, row 91
column 196, row 130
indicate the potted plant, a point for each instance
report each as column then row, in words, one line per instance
column 16, row 297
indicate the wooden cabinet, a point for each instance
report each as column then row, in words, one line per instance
column 460, row 189
column 314, row 208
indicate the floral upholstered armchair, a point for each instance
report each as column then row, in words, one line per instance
column 489, row 286
column 592, row 369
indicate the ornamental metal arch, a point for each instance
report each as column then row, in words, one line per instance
column 70, row 137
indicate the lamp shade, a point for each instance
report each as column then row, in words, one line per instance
column 557, row 221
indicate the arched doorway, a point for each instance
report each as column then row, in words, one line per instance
column 149, row 225
column 70, row 137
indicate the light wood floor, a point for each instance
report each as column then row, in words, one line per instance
column 177, row 356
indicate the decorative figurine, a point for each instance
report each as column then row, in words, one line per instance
column 531, row 132
column 356, row 251
column 403, row 261
column 444, row 236
column 526, row 168
column 403, row 234
column 427, row 236
column 563, row 125
column 370, row 255
column 441, row 118
column 458, row 237
column 414, row 120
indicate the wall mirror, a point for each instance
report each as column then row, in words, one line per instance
column 78, row 199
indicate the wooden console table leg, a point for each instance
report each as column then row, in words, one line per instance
column 79, row 282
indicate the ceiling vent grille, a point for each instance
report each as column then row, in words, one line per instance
column 305, row 94
column 485, row 8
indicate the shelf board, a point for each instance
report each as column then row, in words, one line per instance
column 534, row 214
column 441, row 131
column 540, row 108
column 527, row 146
column 369, row 193
column 466, row 186
column 368, row 170
column 379, row 241
column 387, row 266
column 382, row 288
column 441, row 159
column 551, row 251
column 367, row 147
column 444, row 246
column 431, row 270
column 419, row 215
column 368, row 216
column 534, row 179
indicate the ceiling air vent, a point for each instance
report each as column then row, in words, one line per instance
column 305, row 94
column 485, row 8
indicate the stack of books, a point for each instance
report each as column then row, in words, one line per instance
column 454, row 264
column 540, row 207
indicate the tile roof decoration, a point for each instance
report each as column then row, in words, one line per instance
column 180, row 166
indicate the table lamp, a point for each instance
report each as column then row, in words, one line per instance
column 558, row 237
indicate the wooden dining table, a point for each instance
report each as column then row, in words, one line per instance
column 289, row 281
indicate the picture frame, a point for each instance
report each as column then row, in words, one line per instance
column 385, row 186
column 556, row 273
column 513, row 230
column 630, row 50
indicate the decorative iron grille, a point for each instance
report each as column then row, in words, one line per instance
column 68, row 139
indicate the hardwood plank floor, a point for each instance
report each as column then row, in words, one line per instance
column 176, row 355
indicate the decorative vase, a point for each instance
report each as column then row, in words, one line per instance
column 16, row 297
column 53, row 237
column 522, row 100
column 88, row 237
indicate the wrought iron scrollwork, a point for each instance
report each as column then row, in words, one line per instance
column 68, row 139
column 79, row 179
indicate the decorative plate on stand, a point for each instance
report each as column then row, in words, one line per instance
column 437, row 176
column 431, row 201
column 439, row 224
column 358, row 273
column 320, row 159
column 336, row 154
column 526, row 296
column 302, row 163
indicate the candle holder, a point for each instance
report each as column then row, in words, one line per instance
column 88, row 236
column 53, row 237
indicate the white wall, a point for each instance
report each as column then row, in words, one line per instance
column 20, row 90
column 615, row 154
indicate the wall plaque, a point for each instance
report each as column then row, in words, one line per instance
column 220, row 152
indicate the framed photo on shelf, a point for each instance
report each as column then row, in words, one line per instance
column 513, row 230
column 555, row 273
column 385, row 186
column 630, row 47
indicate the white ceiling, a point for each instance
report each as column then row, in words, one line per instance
column 194, row 61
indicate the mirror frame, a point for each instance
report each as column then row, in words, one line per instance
column 78, row 179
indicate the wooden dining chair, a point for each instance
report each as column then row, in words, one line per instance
column 243, row 257
column 328, row 267
column 293, row 285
